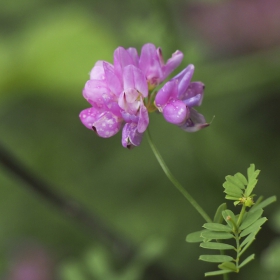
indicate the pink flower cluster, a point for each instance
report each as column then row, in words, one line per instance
column 121, row 94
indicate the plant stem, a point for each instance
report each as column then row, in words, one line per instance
column 174, row 181
column 240, row 218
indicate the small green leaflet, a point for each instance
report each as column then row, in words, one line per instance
column 217, row 227
column 250, row 218
column 216, row 246
column 216, row 235
column 218, row 218
column 195, row 237
column 252, row 179
column 215, row 258
column 250, row 258
column 253, row 227
column 229, row 217
column 228, row 266
column 264, row 203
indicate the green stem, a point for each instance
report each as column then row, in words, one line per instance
column 240, row 218
column 175, row 182
column 238, row 249
column 226, row 276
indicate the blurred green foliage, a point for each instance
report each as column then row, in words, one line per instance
column 47, row 50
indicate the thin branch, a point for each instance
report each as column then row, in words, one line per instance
column 67, row 206
column 75, row 211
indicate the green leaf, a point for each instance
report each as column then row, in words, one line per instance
column 216, row 235
column 252, row 179
column 241, row 178
column 215, row 258
column 234, row 182
column 229, row 215
column 253, row 227
column 218, row 218
column 218, row 272
column 248, row 244
column 233, row 194
column 258, row 201
column 231, row 188
column 250, row 238
column 216, row 246
column 264, row 203
column 217, row 227
column 228, row 266
column 250, row 218
column 250, row 258
column 195, row 237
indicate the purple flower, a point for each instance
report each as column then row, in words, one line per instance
column 116, row 94
column 176, row 99
column 120, row 94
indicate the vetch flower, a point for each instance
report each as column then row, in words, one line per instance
column 176, row 99
column 121, row 94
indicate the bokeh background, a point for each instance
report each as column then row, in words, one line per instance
column 47, row 49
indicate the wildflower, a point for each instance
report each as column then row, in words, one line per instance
column 176, row 99
column 120, row 94
column 116, row 94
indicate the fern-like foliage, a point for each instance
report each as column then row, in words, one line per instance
column 230, row 232
column 240, row 189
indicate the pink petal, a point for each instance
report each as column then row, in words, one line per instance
column 89, row 116
column 195, row 122
column 172, row 63
column 143, row 119
column 167, row 92
column 193, row 96
column 107, row 124
column 133, row 78
column 176, row 112
column 122, row 58
column 184, row 79
column 130, row 136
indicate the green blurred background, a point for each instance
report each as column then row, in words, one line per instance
column 47, row 49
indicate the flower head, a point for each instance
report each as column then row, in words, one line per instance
column 120, row 94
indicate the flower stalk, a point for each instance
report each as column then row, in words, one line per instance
column 174, row 181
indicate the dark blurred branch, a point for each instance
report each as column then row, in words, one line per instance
column 67, row 206
column 75, row 211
